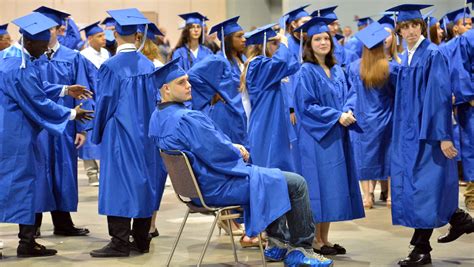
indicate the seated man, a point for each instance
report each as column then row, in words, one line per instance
column 270, row 197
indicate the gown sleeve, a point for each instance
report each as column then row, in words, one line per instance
column 52, row 91
column 316, row 119
column 108, row 94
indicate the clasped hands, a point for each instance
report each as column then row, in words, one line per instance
column 243, row 152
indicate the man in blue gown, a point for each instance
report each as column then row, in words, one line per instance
column 58, row 189
column 25, row 109
column 424, row 189
column 226, row 179
column 132, row 180
column 5, row 39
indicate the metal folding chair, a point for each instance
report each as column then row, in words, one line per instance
column 186, row 188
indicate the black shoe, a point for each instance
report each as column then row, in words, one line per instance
column 134, row 247
column 37, row 233
column 383, row 196
column 340, row 249
column 326, row 250
column 155, row 233
column 109, row 251
column 72, row 232
column 455, row 232
column 416, row 259
column 35, row 250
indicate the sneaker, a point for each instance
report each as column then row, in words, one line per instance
column 93, row 180
column 301, row 257
column 469, row 203
column 275, row 250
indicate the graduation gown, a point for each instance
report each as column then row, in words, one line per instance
column 187, row 58
column 72, row 36
column 223, row 177
column 324, row 144
column 269, row 126
column 424, row 189
column 24, row 110
column 355, row 45
column 373, row 110
column 57, row 185
column 132, row 180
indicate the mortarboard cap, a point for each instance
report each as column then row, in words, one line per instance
column 260, row 35
column 194, row 18
column 3, row 29
column 316, row 25
column 296, row 14
column 151, row 32
column 456, row 15
column 339, row 36
column 56, row 15
column 109, row 37
column 92, row 29
column 226, row 27
column 408, row 12
column 430, row 20
column 387, row 22
column 169, row 72
column 35, row 26
column 364, row 21
column 108, row 22
column 327, row 12
column 372, row 35
column 127, row 20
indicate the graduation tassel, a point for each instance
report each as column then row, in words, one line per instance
column 395, row 25
column 203, row 33
column 464, row 15
column 428, row 28
column 301, row 46
column 264, row 44
column 144, row 39
column 223, row 42
column 23, row 60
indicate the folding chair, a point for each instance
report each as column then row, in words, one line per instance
column 186, row 187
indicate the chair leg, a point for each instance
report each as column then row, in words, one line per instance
column 232, row 241
column 178, row 237
column 260, row 244
column 201, row 257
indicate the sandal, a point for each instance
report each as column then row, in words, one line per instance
column 223, row 225
column 340, row 249
column 252, row 243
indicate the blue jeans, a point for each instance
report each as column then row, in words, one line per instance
column 296, row 227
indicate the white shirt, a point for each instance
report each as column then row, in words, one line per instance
column 94, row 56
column 195, row 52
column 157, row 63
column 126, row 48
column 412, row 51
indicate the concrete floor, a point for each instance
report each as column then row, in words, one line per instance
column 371, row 241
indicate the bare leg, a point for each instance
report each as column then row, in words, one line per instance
column 368, row 203
column 325, row 234
column 152, row 225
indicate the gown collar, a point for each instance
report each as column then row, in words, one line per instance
column 164, row 105
column 129, row 47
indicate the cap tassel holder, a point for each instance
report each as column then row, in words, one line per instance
column 144, row 39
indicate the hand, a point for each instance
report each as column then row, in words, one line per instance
column 83, row 115
column 471, row 103
column 78, row 92
column 283, row 38
column 448, row 149
column 293, row 118
column 80, row 139
column 347, row 118
column 243, row 151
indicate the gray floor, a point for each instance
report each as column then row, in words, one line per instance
column 372, row 241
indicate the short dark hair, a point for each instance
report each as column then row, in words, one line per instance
column 308, row 54
column 420, row 22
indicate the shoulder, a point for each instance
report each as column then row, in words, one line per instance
column 205, row 49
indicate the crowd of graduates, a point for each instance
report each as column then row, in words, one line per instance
column 290, row 120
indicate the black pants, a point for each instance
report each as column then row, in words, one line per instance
column 27, row 232
column 61, row 220
column 119, row 230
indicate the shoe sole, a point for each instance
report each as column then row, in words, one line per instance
column 108, row 256
column 34, row 256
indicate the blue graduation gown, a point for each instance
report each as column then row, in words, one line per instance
column 268, row 128
column 355, row 46
column 132, row 180
column 187, row 59
column 57, row 185
column 24, row 111
column 373, row 110
column 72, row 36
column 324, row 143
column 224, row 178
column 424, row 189
column 208, row 77
column 343, row 56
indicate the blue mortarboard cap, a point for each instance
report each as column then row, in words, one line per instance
column 430, row 20
column 35, row 26
column 372, row 35
column 108, row 22
column 56, row 15
column 151, row 32
column 92, row 29
column 364, row 21
column 260, row 35
column 339, row 36
column 3, row 29
column 458, row 14
column 127, row 20
column 316, row 25
column 387, row 22
column 226, row 27
column 408, row 12
column 194, row 18
column 327, row 12
column 109, row 37
column 169, row 72
column 296, row 14
column 443, row 22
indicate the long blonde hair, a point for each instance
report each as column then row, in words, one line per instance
column 151, row 51
column 374, row 67
column 252, row 52
column 395, row 48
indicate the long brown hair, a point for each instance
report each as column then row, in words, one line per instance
column 229, row 47
column 184, row 39
column 433, row 32
column 395, row 48
column 308, row 54
column 252, row 52
column 151, row 51
column 374, row 67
